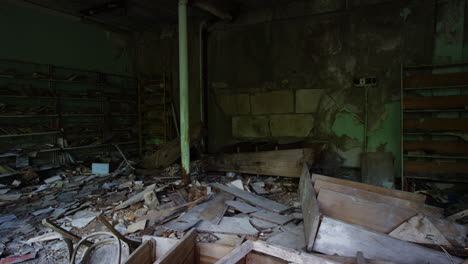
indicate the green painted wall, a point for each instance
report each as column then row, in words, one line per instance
column 32, row 35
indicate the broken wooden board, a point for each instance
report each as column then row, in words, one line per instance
column 458, row 216
column 371, row 188
column 292, row 237
column 144, row 254
column 259, row 188
column 258, row 258
column 287, row 163
column 272, row 217
column 182, row 252
column 375, row 216
column 242, row 207
column 216, row 208
column 379, row 198
column 419, row 229
column 136, row 198
column 309, row 206
column 453, row 232
column 170, row 152
column 351, row 260
column 336, row 237
column 229, row 225
column 210, row 253
column 252, row 198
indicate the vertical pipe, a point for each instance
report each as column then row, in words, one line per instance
column 184, row 95
column 201, row 31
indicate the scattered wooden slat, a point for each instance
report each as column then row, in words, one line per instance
column 360, row 258
column 419, row 229
column 390, row 192
column 436, row 124
column 436, row 167
column 375, row 216
column 272, row 217
column 216, row 208
column 144, row 254
column 253, row 199
column 242, row 207
column 229, row 225
column 449, row 147
column 343, row 239
column 182, row 250
column 309, row 206
column 379, row 198
column 290, row 255
column 287, row 163
column 258, row 188
column 350, row 260
column 458, row 215
column 136, row 198
column 436, row 102
column 453, row 232
column 177, row 198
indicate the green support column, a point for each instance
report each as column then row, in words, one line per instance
column 184, row 94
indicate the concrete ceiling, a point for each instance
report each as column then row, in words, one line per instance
column 142, row 14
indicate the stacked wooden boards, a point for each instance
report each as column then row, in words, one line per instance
column 344, row 217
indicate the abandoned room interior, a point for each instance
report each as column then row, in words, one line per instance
column 234, row 131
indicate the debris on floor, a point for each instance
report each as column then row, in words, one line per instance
column 307, row 217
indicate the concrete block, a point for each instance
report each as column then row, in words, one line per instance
column 307, row 100
column 291, row 125
column 250, row 126
column 275, row 102
column 234, row 104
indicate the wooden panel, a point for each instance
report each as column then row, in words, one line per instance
column 375, row 216
column 237, row 254
column 309, row 206
column 183, row 250
column 452, row 147
column 144, row 254
column 436, row 124
column 436, row 102
column 380, row 198
column 287, row 163
column 209, row 253
column 257, row 258
column 256, row 200
column 436, row 80
column 351, row 260
column 436, row 167
column 344, row 239
column 453, row 232
column 371, row 188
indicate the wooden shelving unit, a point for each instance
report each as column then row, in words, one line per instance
column 42, row 103
column 434, row 123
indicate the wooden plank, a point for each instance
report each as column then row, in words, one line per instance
column 170, row 152
column 272, row 217
column 257, row 258
column 350, row 260
column 144, row 254
column 343, row 239
column 178, row 254
column 436, row 102
column 287, row 163
column 252, row 198
column 449, row 147
column 210, row 253
column 371, row 188
column 436, row 167
column 229, row 225
column 216, row 208
column 458, row 216
column 237, row 254
column 375, row 216
column 242, row 207
column 436, row 80
column 436, row 124
column 289, row 255
column 360, row 258
column 380, row 198
column 453, row 232
column 309, row 206
column 419, row 229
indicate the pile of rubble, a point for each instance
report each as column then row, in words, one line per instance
column 225, row 217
